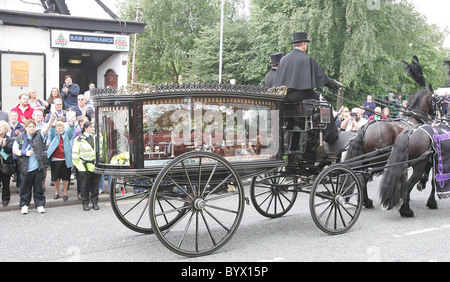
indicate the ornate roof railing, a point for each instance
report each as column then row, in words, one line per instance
column 141, row 88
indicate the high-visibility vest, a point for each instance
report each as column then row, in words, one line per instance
column 83, row 155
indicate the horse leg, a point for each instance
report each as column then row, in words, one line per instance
column 432, row 203
column 367, row 202
column 418, row 171
column 405, row 210
column 423, row 181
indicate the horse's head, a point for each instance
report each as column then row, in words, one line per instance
column 434, row 106
column 430, row 103
column 423, row 104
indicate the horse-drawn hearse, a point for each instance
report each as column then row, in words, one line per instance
column 179, row 154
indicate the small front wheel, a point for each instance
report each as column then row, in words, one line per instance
column 129, row 201
column 336, row 200
column 274, row 193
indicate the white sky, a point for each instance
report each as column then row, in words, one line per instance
column 437, row 12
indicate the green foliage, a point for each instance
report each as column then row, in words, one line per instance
column 361, row 47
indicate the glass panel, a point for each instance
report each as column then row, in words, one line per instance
column 114, row 134
column 238, row 129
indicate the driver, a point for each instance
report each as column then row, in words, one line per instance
column 301, row 74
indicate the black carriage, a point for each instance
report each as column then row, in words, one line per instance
column 179, row 157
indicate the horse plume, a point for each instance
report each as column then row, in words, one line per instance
column 415, row 71
column 447, row 62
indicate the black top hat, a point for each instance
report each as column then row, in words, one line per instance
column 300, row 37
column 276, row 58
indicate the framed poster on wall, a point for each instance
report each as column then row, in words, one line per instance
column 19, row 73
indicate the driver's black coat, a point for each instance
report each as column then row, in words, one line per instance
column 299, row 71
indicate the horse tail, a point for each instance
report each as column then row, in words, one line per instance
column 391, row 184
column 356, row 147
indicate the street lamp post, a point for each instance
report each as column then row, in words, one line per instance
column 221, row 41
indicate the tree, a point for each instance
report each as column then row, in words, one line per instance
column 171, row 28
column 236, row 54
column 361, row 47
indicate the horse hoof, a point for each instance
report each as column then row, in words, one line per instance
column 432, row 205
column 368, row 204
column 407, row 213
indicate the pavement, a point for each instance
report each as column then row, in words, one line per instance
column 49, row 193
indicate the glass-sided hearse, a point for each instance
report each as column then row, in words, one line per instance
column 179, row 156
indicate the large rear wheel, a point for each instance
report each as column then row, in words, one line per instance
column 201, row 195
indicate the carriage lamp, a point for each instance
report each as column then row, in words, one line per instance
column 325, row 115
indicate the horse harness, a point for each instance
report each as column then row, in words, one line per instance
column 402, row 123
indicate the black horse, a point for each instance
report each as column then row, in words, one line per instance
column 413, row 148
column 381, row 134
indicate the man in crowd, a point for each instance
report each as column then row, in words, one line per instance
column 82, row 109
column 70, row 92
column 24, row 111
column 369, row 105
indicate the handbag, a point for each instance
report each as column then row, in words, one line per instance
column 7, row 168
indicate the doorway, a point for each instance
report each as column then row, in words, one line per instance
column 81, row 65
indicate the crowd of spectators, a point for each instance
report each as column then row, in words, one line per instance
column 383, row 110
column 39, row 135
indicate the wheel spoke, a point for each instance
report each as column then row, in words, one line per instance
column 209, row 179
column 179, row 187
column 187, row 177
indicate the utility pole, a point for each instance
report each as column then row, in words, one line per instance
column 135, row 43
column 221, row 41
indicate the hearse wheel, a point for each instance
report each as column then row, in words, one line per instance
column 203, row 197
column 129, row 201
column 336, row 199
column 273, row 193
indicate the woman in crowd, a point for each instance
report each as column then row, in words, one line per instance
column 29, row 148
column 35, row 102
column 54, row 94
column 6, row 144
column 15, row 126
column 60, row 154
column 344, row 114
column 83, row 158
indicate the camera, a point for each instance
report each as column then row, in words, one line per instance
column 353, row 115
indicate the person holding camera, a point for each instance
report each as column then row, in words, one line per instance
column 355, row 121
column 70, row 92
